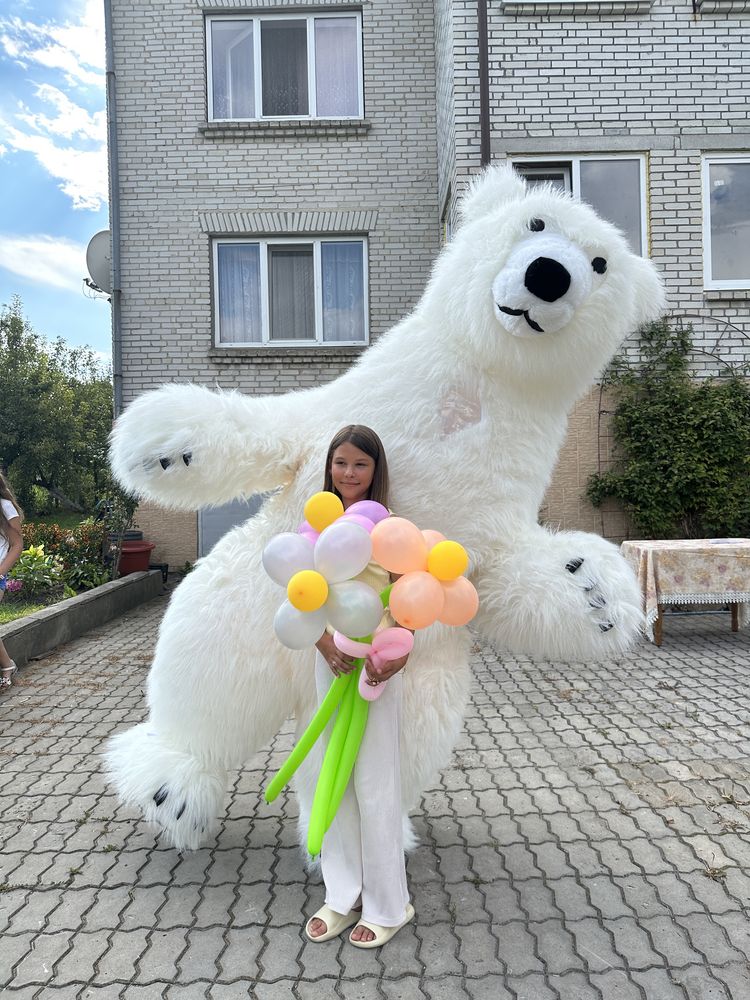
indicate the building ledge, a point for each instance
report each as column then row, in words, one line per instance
column 582, row 8
column 264, row 355
column 335, row 128
column 726, row 294
column 723, row 6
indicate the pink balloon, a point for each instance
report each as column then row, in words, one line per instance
column 370, row 692
column 432, row 537
column 350, row 646
column 398, row 546
column 460, row 602
column 311, row 535
column 360, row 519
column 416, row 600
column 370, row 509
column 391, row 644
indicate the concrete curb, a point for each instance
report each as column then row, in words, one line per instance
column 41, row 631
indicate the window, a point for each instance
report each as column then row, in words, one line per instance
column 290, row 292
column 284, row 66
column 615, row 186
column 726, row 221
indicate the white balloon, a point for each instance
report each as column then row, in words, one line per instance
column 285, row 555
column 298, row 629
column 353, row 608
column 343, row 550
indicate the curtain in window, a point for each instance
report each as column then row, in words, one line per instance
column 239, row 293
column 729, row 186
column 613, row 188
column 232, row 77
column 292, row 290
column 336, row 67
column 283, row 46
column 343, row 291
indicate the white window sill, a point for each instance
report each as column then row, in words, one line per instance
column 336, row 127
column 723, row 6
column 726, row 294
column 264, row 352
column 582, row 8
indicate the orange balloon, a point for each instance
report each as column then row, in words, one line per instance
column 460, row 602
column 416, row 600
column 432, row 537
column 398, row 545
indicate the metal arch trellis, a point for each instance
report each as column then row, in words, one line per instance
column 680, row 318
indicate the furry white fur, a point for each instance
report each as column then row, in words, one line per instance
column 470, row 395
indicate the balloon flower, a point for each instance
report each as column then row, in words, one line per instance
column 317, row 566
column 432, row 586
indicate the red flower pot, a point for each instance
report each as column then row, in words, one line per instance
column 135, row 557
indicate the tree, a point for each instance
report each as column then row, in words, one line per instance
column 56, row 409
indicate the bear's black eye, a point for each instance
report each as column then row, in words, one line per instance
column 599, row 264
column 536, row 225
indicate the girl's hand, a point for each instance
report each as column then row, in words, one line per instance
column 384, row 670
column 336, row 660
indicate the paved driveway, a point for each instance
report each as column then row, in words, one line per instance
column 590, row 840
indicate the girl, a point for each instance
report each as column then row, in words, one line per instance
column 11, row 546
column 362, row 857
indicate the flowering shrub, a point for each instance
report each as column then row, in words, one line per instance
column 13, row 586
column 37, row 571
column 79, row 550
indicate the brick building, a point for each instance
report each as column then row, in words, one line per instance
column 321, row 147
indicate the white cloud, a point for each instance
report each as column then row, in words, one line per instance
column 75, row 48
column 66, row 139
column 44, row 260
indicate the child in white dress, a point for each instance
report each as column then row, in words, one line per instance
column 362, row 857
column 11, row 546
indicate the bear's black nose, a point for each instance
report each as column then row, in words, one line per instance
column 547, row 279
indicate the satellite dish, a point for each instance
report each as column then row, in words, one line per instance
column 99, row 261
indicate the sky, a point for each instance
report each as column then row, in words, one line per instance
column 53, row 164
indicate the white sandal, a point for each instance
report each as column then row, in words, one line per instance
column 6, row 673
column 335, row 923
column 382, row 934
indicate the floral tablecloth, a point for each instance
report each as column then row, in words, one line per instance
column 691, row 571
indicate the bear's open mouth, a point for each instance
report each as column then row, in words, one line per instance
column 524, row 313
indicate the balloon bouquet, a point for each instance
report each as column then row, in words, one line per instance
column 317, row 566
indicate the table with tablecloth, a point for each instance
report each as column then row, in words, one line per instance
column 691, row 571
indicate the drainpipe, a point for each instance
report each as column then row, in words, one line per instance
column 484, row 84
column 114, row 207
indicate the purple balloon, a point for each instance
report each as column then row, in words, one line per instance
column 363, row 522
column 370, row 509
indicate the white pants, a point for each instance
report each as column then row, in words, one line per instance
column 363, row 852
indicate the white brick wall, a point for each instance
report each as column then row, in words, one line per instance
column 174, row 169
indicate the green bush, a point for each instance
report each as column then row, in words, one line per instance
column 683, row 443
column 38, row 571
column 80, row 550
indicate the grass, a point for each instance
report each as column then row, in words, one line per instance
column 11, row 611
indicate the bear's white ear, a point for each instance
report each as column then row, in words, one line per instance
column 489, row 190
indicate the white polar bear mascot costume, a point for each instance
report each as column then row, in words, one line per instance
column 470, row 395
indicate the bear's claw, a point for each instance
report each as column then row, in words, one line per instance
column 160, row 795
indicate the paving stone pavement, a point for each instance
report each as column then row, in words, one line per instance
column 588, row 842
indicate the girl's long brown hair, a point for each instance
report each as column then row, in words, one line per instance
column 367, row 441
column 6, row 493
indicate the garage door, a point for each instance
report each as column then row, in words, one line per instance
column 217, row 521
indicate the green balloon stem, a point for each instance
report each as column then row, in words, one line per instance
column 317, row 724
column 348, row 757
column 324, row 788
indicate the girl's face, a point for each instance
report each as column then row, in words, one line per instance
column 352, row 471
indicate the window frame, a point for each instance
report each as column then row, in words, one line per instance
column 574, row 160
column 709, row 282
column 298, row 15
column 265, row 343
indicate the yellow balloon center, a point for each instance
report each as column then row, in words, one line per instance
column 322, row 509
column 447, row 560
column 307, row 590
